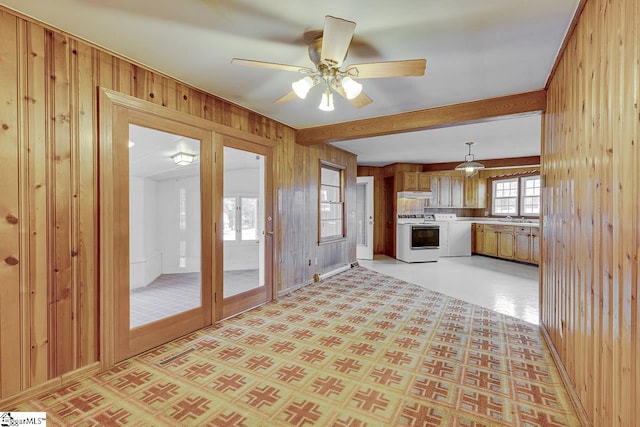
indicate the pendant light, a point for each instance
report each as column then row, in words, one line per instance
column 469, row 166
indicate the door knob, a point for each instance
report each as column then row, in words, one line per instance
column 270, row 233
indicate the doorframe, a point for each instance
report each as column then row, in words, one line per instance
column 107, row 100
column 369, row 182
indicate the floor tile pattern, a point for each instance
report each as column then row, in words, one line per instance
column 175, row 293
column 359, row 349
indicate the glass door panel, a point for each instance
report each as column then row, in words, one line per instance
column 164, row 225
column 247, row 225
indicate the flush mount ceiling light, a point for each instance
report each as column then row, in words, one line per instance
column 328, row 49
column 469, row 166
column 183, row 159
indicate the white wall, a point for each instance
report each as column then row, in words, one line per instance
column 144, row 253
column 178, row 224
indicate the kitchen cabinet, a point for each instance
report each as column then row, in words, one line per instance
column 448, row 191
column 415, row 181
column 535, row 245
column 518, row 243
column 490, row 240
column 475, row 192
column 478, row 238
column 523, row 244
column 506, row 242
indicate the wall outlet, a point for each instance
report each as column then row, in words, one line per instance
column 316, row 261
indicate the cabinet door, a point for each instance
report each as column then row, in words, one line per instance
column 424, row 182
column 444, row 191
column 410, row 181
column 457, row 192
column 523, row 242
column 434, row 201
column 479, row 239
column 535, row 245
column 505, row 244
column 490, row 241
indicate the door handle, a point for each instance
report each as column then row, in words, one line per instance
column 270, row 233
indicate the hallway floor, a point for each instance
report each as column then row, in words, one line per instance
column 506, row 287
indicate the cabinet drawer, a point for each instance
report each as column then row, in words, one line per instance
column 479, row 226
column 525, row 230
column 535, row 231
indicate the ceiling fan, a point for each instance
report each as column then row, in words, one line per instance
column 327, row 52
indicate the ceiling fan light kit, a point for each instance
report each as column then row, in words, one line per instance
column 327, row 53
column 469, row 166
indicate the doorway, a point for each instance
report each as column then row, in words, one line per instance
column 364, row 217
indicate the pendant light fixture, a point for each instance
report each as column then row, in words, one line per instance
column 469, row 166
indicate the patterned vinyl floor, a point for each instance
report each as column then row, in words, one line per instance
column 359, row 349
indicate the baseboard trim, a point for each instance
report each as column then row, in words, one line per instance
column 287, row 291
column 566, row 380
column 50, row 385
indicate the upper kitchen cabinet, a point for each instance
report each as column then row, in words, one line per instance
column 447, row 189
column 475, row 192
column 415, row 181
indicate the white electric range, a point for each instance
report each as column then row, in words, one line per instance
column 454, row 237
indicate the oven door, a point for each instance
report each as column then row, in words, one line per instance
column 425, row 237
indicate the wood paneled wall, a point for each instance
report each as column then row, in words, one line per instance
column 48, row 193
column 591, row 211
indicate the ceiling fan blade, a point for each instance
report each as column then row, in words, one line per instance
column 359, row 101
column 288, row 97
column 372, row 70
column 336, row 38
column 270, row 65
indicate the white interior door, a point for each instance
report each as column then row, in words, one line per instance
column 364, row 214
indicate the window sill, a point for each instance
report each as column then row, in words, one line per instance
column 331, row 241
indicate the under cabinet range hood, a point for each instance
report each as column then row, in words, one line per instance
column 415, row 194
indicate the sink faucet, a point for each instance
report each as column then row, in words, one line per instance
column 508, row 217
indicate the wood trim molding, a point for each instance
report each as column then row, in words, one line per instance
column 490, row 163
column 432, row 118
column 51, row 385
column 566, row 380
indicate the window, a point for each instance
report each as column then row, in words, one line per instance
column 516, row 196
column 240, row 218
column 530, row 195
column 331, row 224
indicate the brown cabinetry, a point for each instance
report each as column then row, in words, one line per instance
column 490, row 240
column 475, row 192
column 507, row 242
column 415, row 181
column 447, row 189
column 478, row 238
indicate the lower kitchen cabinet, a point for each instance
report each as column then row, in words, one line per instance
column 490, row 240
column 477, row 232
column 508, row 242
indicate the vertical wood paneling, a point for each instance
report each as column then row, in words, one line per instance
column 49, row 204
column 86, row 249
column 10, row 219
column 34, row 106
column 591, row 225
column 63, row 286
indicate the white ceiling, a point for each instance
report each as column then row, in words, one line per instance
column 474, row 50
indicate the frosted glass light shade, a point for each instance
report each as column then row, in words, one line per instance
column 302, row 86
column 351, row 87
column 326, row 104
column 183, row 159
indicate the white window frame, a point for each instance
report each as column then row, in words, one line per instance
column 328, row 203
column 524, row 196
column 494, row 198
column 238, row 221
column 520, row 200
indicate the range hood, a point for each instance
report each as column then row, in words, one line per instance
column 415, row 194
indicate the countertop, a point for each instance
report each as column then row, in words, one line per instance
column 493, row 221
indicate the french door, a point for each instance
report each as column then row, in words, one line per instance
column 247, row 227
column 156, row 229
